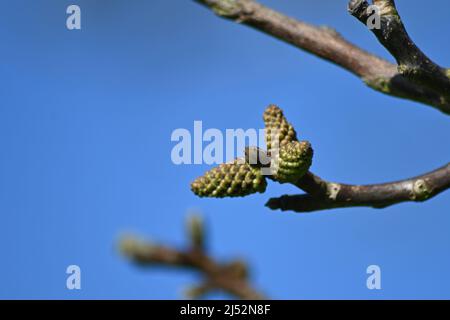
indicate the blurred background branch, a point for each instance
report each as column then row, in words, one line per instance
column 230, row 277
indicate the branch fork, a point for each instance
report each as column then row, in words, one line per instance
column 427, row 85
column 230, row 277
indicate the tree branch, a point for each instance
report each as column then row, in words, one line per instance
column 412, row 62
column 230, row 277
column 329, row 45
column 322, row 195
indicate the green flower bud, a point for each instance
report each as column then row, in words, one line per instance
column 277, row 125
column 236, row 179
column 293, row 161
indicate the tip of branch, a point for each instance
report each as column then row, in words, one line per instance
column 133, row 247
column 225, row 8
column 273, row 203
column 196, row 231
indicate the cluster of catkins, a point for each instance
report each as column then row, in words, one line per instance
column 289, row 158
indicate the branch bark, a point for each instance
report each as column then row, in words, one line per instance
column 326, row 43
column 412, row 62
column 322, row 195
column 230, row 277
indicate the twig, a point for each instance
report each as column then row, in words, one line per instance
column 322, row 195
column 230, row 277
column 412, row 62
column 326, row 43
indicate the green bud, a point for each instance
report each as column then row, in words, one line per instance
column 293, row 161
column 277, row 125
column 236, row 179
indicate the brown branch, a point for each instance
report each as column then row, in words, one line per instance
column 322, row 195
column 412, row 62
column 329, row 45
column 230, row 277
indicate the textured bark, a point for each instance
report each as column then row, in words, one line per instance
column 412, row 62
column 322, row 195
column 326, row 43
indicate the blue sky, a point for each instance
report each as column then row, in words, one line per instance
column 85, row 125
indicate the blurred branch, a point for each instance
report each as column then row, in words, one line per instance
column 326, row 43
column 230, row 277
column 322, row 195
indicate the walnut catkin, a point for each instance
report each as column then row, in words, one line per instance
column 236, row 179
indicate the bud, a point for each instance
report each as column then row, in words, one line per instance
column 256, row 157
column 196, row 230
column 293, row 161
column 277, row 126
column 136, row 248
column 235, row 179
